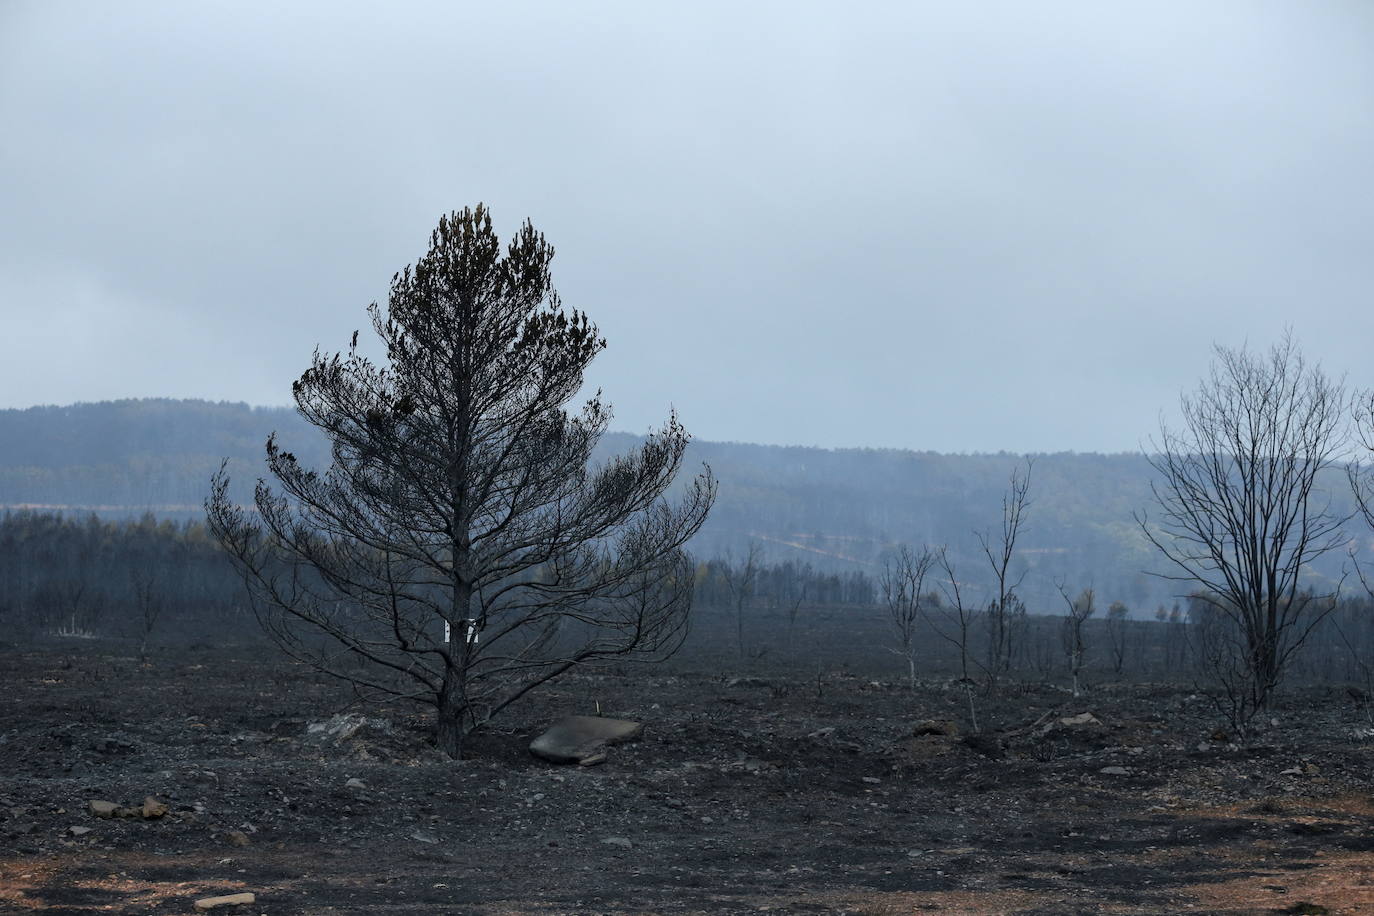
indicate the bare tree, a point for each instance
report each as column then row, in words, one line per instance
column 741, row 580
column 903, row 586
column 796, row 590
column 147, row 594
column 1078, row 611
column 1241, row 515
column 1361, row 475
column 956, row 627
column 1117, row 614
column 461, row 549
column 1006, row 613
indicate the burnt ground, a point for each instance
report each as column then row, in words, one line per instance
column 797, row 795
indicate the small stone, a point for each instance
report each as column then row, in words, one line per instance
column 102, row 808
column 1083, row 718
column 872, row 780
column 236, row 838
column 355, row 783
column 78, row 831
column 620, row 841
column 1114, row 771
column 152, row 808
column 422, row 836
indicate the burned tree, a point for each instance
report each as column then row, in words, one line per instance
column 1006, row 613
column 956, row 627
column 1117, row 615
column 1241, row 514
column 740, row 580
column 903, row 589
column 1361, row 475
column 462, row 549
column 1078, row 610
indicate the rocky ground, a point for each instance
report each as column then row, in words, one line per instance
column 742, row 795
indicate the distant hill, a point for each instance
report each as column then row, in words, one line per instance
column 835, row 508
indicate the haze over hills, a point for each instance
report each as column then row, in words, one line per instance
column 837, row 509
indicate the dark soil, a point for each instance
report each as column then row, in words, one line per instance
column 808, row 795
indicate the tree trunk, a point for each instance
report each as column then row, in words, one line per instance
column 450, row 731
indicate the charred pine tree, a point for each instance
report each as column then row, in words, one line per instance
column 462, row 548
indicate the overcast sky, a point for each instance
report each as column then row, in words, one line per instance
column 955, row 226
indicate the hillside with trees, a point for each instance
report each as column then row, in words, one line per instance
column 836, row 510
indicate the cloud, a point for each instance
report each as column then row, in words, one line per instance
column 954, row 227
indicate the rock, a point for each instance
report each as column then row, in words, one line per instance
column 986, row 745
column 210, row 903
column 583, row 739
column 750, row 682
column 1114, row 771
column 288, row 728
column 943, row 727
column 152, row 808
column 111, row 746
column 620, row 841
column 355, row 783
column 927, row 746
column 872, row 780
column 78, row 831
column 1083, row 718
column 102, row 808
column 236, row 838
column 422, row 836
column 345, row 727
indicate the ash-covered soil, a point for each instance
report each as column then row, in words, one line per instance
column 809, row 795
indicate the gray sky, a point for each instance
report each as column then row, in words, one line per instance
column 943, row 226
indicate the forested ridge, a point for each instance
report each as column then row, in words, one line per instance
column 838, row 510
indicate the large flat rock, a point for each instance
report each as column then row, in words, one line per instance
column 583, row 739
